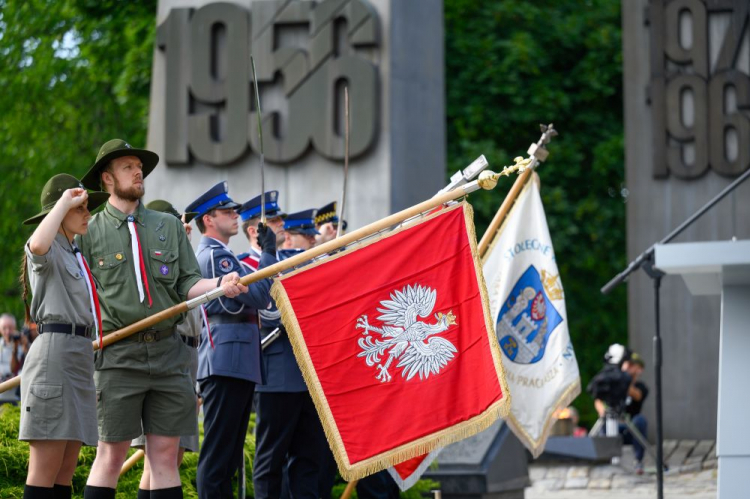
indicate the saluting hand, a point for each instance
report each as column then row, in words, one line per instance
column 74, row 197
column 231, row 285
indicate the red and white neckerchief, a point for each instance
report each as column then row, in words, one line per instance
column 208, row 326
column 93, row 295
column 138, row 264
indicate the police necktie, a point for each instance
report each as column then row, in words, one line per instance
column 140, row 268
column 93, row 295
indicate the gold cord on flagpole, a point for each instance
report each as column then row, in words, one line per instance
column 508, row 203
column 537, row 152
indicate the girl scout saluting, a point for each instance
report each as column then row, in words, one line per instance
column 58, row 396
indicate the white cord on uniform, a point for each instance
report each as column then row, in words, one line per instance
column 136, row 259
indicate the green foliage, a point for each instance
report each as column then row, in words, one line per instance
column 75, row 74
column 14, row 462
column 513, row 64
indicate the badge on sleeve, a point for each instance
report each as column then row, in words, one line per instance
column 225, row 264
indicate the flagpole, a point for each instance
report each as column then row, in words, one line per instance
column 487, row 180
column 499, row 218
column 349, row 489
column 137, row 456
column 537, row 153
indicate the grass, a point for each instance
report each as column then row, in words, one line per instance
column 14, row 460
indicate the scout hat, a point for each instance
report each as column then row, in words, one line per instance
column 166, row 207
column 117, row 148
column 302, row 222
column 53, row 191
column 215, row 198
column 251, row 209
column 328, row 214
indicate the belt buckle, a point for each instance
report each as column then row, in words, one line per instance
column 149, row 337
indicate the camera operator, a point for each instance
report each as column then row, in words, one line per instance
column 633, row 365
column 10, row 347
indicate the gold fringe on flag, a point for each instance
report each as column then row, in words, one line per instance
column 353, row 471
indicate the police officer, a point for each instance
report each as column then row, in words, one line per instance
column 230, row 358
column 250, row 213
column 288, row 432
column 190, row 331
column 327, row 223
column 144, row 264
column 300, row 229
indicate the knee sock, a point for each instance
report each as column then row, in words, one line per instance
column 34, row 492
column 170, row 493
column 143, row 494
column 63, row 491
column 93, row 492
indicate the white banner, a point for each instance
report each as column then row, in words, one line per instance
column 528, row 305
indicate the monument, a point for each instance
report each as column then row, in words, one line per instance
column 203, row 121
column 687, row 136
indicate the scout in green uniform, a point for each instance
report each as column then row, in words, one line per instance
column 144, row 264
column 58, row 397
column 190, row 332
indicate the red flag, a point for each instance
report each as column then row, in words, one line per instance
column 396, row 344
column 409, row 472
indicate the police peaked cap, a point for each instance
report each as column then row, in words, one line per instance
column 251, row 209
column 328, row 214
column 302, row 222
column 215, row 198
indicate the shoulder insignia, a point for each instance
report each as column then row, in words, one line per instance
column 225, row 264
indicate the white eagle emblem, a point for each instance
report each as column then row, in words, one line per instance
column 406, row 337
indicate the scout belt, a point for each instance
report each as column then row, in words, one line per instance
column 84, row 331
column 149, row 336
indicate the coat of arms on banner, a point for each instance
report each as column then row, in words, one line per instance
column 403, row 334
column 526, row 319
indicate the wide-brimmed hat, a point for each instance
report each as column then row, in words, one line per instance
column 117, row 148
column 166, row 207
column 53, row 191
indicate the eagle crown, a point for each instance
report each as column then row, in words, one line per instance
column 449, row 318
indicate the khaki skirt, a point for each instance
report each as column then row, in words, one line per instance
column 58, row 395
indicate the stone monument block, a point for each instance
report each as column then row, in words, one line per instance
column 203, row 119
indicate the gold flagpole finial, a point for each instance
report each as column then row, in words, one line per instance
column 488, row 180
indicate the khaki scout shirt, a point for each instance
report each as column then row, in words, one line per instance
column 171, row 267
column 58, row 287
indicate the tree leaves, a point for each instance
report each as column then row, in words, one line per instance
column 513, row 64
column 75, row 74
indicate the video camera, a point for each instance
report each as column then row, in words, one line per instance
column 610, row 385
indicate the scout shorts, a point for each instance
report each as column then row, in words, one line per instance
column 144, row 387
column 187, row 442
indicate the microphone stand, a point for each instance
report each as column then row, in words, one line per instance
column 646, row 262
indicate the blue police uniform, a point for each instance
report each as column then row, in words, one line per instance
column 289, row 435
column 229, row 363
